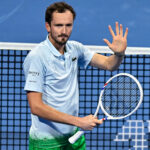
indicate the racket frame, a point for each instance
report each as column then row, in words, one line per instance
column 100, row 105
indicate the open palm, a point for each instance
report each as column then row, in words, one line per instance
column 119, row 42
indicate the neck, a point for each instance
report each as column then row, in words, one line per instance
column 59, row 47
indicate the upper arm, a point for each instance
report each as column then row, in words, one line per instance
column 34, row 73
column 35, row 101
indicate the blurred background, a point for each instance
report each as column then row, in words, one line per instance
column 24, row 20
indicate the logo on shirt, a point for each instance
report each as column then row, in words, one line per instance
column 33, row 73
column 74, row 58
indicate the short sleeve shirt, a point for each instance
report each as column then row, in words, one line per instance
column 55, row 76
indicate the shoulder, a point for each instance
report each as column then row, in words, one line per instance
column 75, row 44
column 38, row 50
column 36, row 54
column 76, row 47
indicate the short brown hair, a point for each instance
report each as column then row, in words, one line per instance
column 60, row 7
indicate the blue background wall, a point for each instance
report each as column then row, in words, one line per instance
column 23, row 20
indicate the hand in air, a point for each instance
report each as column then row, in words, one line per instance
column 119, row 42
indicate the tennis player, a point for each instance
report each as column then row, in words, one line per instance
column 51, row 80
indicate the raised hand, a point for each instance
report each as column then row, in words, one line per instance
column 119, row 42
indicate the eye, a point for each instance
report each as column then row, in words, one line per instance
column 69, row 25
column 58, row 25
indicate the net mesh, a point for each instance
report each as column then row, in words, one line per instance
column 130, row 133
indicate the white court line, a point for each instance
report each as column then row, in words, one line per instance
column 136, row 125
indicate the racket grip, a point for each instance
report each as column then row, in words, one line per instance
column 75, row 137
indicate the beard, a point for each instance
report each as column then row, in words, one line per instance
column 62, row 41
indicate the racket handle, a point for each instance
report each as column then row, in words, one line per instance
column 75, row 137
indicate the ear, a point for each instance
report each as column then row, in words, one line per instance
column 47, row 27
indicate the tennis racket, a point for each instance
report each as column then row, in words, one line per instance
column 120, row 97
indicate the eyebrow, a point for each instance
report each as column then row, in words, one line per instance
column 59, row 24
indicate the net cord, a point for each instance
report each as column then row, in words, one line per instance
column 98, row 49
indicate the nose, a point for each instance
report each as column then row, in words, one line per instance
column 64, row 30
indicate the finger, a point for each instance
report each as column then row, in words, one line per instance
column 111, row 31
column 117, row 28
column 93, row 125
column 90, row 128
column 107, row 42
column 121, row 30
column 91, row 116
column 126, row 33
column 101, row 121
column 98, row 121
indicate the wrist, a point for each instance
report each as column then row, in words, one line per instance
column 119, row 54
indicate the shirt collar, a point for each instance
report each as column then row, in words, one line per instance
column 54, row 51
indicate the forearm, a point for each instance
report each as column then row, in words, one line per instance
column 107, row 62
column 113, row 62
column 49, row 113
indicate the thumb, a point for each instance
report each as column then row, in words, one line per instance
column 99, row 121
column 107, row 42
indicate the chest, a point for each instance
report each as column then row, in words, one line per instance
column 61, row 69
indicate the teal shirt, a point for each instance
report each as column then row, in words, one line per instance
column 55, row 76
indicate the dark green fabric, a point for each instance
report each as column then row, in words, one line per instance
column 57, row 144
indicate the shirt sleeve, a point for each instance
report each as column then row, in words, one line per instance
column 34, row 73
column 85, row 55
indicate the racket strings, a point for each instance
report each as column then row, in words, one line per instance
column 121, row 96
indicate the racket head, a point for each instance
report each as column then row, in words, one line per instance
column 120, row 97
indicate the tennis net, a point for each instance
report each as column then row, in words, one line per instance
column 130, row 133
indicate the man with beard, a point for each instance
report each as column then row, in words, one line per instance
column 51, row 80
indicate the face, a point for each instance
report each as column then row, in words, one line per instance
column 60, row 28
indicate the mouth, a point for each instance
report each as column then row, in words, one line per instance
column 63, row 36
